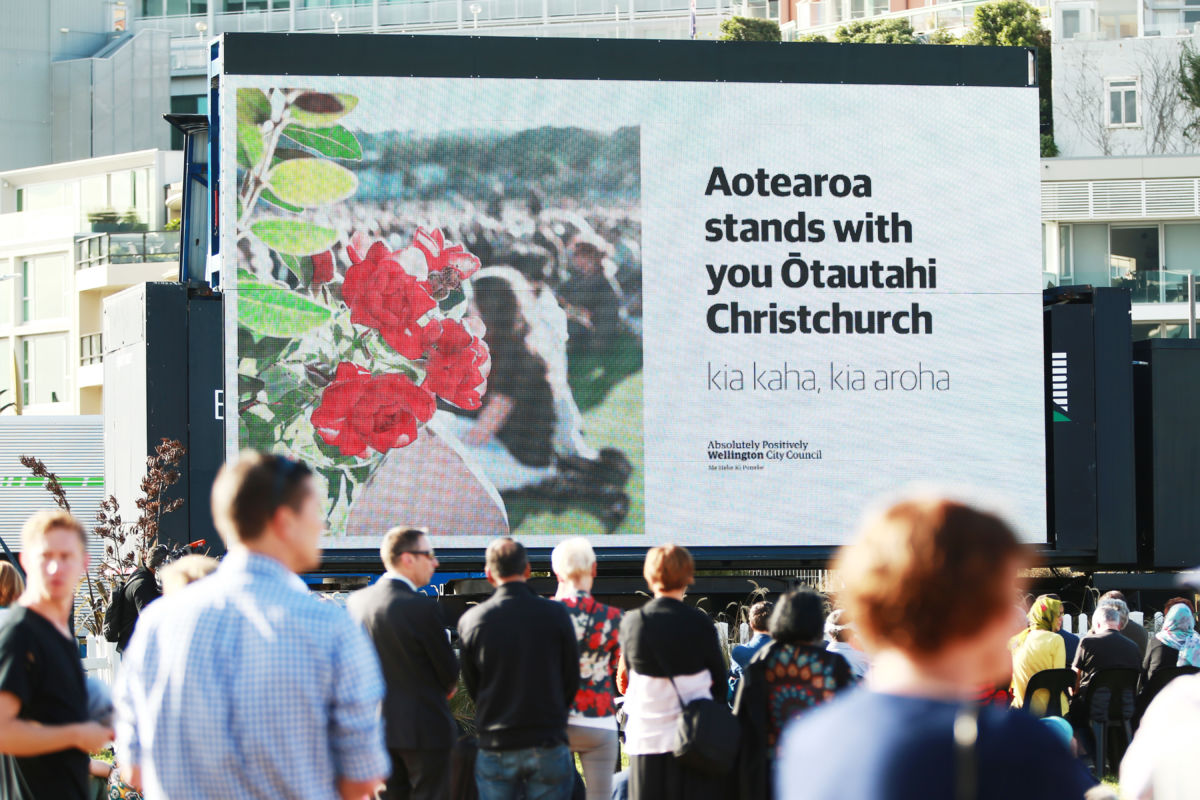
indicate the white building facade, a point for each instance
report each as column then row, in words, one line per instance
column 70, row 235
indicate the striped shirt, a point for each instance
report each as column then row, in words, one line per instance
column 244, row 685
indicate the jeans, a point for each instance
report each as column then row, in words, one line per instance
column 597, row 748
column 545, row 773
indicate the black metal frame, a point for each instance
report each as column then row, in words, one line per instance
column 362, row 55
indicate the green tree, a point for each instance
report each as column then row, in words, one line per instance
column 750, row 29
column 1006, row 23
column 812, row 37
column 941, row 36
column 1189, row 90
column 877, row 31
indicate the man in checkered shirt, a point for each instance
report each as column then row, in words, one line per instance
column 244, row 685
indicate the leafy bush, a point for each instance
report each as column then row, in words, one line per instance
column 749, row 29
column 877, row 31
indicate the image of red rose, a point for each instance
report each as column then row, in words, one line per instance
column 448, row 265
column 383, row 296
column 322, row 268
column 459, row 364
column 359, row 410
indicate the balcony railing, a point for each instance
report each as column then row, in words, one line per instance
column 91, row 349
column 409, row 15
column 1155, row 285
column 100, row 249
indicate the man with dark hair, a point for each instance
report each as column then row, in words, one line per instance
column 246, row 685
column 520, row 663
column 759, row 617
column 419, row 667
column 139, row 591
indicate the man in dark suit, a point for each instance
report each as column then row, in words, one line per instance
column 419, row 667
column 521, row 666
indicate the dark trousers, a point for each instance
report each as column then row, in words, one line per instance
column 419, row 775
column 660, row 777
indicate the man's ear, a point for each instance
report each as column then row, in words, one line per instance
column 487, row 573
column 594, row 567
column 528, row 571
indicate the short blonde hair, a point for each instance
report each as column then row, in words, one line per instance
column 11, row 584
column 669, row 568
column 572, row 557
column 41, row 523
column 188, row 569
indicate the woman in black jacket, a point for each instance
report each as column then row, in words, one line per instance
column 672, row 657
column 790, row 675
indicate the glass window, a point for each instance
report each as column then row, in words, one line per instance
column 37, row 198
column 120, row 188
column 1071, row 23
column 43, row 287
column 1122, row 103
column 1066, row 268
column 1118, row 19
column 44, row 369
column 1090, row 262
column 1182, row 246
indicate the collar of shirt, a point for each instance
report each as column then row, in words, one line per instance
column 243, row 560
column 398, row 577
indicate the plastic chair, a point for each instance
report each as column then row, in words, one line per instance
column 1058, row 682
column 1109, row 702
column 1162, row 676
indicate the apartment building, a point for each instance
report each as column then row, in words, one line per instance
column 70, row 235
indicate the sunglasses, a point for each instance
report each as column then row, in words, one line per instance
column 426, row 553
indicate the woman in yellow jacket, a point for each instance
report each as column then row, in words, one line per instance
column 1036, row 648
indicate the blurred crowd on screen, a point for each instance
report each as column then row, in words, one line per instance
column 918, row 678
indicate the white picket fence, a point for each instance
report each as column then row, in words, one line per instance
column 1079, row 625
column 102, row 660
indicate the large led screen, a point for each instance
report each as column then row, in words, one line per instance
column 723, row 314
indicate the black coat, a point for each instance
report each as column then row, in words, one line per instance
column 139, row 591
column 520, row 662
column 419, row 666
column 667, row 637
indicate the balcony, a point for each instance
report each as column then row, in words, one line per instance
column 91, row 360
column 117, row 260
column 1155, row 285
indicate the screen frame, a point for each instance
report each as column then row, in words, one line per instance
column 484, row 57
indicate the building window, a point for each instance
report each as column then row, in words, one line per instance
column 43, row 287
column 44, row 369
column 1122, row 103
column 1072, row 23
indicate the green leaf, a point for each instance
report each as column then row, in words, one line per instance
column 251, row 141
column 253, row 106
column 270, row 197
column 255, row 433
column 311, row 182
column 294, row 237
column 320, row 110
column 249, row 384
column 275, row 311
column 302, row 268
column 335, row 142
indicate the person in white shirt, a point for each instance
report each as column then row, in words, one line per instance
column 843, row 640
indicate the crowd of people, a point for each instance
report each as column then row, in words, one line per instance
column 241, row 683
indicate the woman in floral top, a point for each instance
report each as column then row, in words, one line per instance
column 592, row 724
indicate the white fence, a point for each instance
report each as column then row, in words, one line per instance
column 102, row 660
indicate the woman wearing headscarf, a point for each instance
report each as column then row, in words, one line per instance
column 1176, row 645
column 1036, row 648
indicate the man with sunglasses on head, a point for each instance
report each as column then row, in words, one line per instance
column 419, row 667
column 244, row 685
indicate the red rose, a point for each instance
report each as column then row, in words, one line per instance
column 447, row 265
column 594, row 641
column 360, row 410
column 322, row 268
column 458, row 365
column 383, row 296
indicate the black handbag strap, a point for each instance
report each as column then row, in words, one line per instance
column 657, row 663
column 966, row 762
